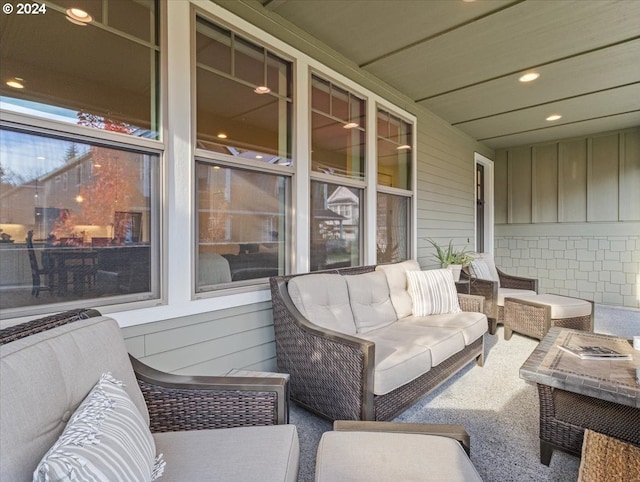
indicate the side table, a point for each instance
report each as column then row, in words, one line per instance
column 463, row 286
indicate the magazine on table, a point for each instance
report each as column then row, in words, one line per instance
column 595, row 352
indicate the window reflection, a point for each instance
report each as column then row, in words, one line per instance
column 107, row 68
column 335, row 226
column 244, row 106
column 394, row 151
column 338, row 121
column 241, row 225
column 80, row 213
column 392, row 235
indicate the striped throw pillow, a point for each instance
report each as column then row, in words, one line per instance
column 433, row 292
column 480, row 269
column 105, row 439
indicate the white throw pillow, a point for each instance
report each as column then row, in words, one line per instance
column 480, row 269
column 105, row 439
column 433, row 292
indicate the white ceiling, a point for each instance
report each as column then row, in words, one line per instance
column 461, row 60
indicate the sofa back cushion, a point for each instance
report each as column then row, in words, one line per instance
column 370, row 301
column 44, row 378
column 323, row 299
column 396, row 274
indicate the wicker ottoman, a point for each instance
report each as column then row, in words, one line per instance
column 534, row 315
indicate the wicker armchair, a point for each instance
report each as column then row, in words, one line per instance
column 489, row 289
column 332, row 373
column 177, row 406
column 177, row 402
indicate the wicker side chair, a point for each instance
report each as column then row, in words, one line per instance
column 489, row 289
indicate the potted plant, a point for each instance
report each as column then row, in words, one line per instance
column 451, row 258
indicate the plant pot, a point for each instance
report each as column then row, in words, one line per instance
column 456, row 269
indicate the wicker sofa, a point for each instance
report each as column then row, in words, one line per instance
column 49, row 365
column 347, row 375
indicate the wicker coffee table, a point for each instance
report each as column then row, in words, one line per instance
column 576, row 394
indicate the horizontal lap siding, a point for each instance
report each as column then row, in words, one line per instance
column 208, row 343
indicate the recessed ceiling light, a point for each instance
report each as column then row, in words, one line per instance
column 403, row 147
column 16, row 83
column 262, row 89
column 78, row 16
column 529, row 76
column 222, row 135
column 258, row 157
column 554, row 117
column 350, row 125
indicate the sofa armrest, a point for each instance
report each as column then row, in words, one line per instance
column 454, row 431
column 331, row 372
column 180, row 402
column 517, row 282
column 471, row 302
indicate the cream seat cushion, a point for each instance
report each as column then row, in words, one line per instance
column 562, row 306
column 472, row 324
column 397, row 361
column 369, row 456
column 513, row 293
column 244, row 454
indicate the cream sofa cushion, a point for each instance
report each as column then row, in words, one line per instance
column 243, row 454
column 472, row 324
column 442, row 342
column 370, row 301
column 368, row 456
column 397, row 361
column 513, row 293
column 323, row 299
column 396, row 274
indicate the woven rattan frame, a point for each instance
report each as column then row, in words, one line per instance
column 177, row 402
column 488, row 289
column 332, row 374
column 564, row 416
column 532, row 318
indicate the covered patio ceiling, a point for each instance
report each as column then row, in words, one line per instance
column 462, row 59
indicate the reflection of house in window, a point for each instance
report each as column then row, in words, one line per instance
column 345, row 203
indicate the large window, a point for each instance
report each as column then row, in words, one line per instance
column 394, row 154
column 335, row 226
column 244, row 140
column 78, row 221
column 338, row 123
column 241, row 224
column 79, row 207
column 244, row 104
column 97, row 68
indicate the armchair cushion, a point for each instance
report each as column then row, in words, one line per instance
column 512, row 293
column 324, row 300
column 106, row 438
column 397, row 281
column 370, row 301
column 433, row 292
column 242, row 454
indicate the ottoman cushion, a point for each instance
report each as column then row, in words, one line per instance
column 562, row 306
column 370, row 456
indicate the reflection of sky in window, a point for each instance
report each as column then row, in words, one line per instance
column 36, row 108
column 27, row 156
